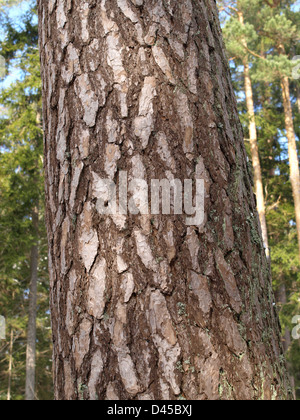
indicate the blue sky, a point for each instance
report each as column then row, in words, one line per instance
column 296, row 6
column 14, row 13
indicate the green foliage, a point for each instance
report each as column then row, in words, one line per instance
column 8, row 3
column 21, row 190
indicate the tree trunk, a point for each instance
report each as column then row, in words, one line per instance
column 258, row 182
column 298, row 99
column 292, row 145
column 10, row 365
column 293, row 153
column 281, row 299
column 31, row 331
column 147, row 306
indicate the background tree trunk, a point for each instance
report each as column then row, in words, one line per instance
column 258, row 182
column 31, row 331
column 10, row 365
column 147, row 307
column 293, row 153
column 298, row 99
column 292, row 145
column 281, row 298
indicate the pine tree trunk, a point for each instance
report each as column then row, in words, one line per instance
column 292, row 145
column 298, row 98
column 147, row 307
column 281, row 299
column 10, row 365
column 31, row 330
column 258, row 182
column 293, row 153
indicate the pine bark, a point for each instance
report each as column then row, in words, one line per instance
column 146, row 307
column 32, row 314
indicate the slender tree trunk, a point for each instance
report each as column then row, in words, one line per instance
column 149, row 307
column 293, row 153
column 282, row 300
column 292, row 145
column 258, row 182
column 286, row 339
column 298, row 98
column 31, row 331
column 11, row 344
